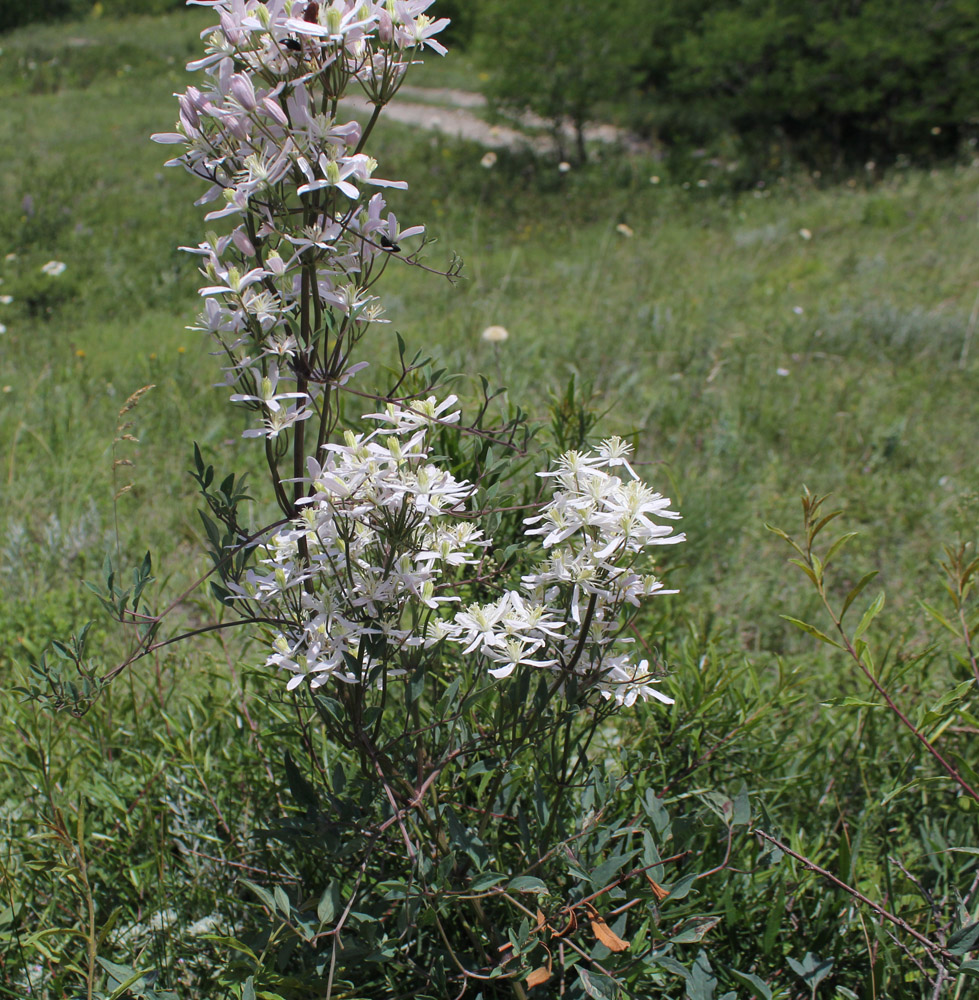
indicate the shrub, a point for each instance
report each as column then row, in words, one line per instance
column 828, row 83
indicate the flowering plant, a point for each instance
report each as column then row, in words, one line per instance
column 376, row 533
column 434, row 638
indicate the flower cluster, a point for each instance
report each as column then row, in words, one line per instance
column 384, row 529
column 287, row 292
column 596, row 529
column 358, row 571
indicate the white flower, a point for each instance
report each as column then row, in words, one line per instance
column 495, row 334
column 488, row 160
column 54, row 268
column 6, row 299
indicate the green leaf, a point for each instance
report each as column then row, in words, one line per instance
column 326, row 908
column 807, row 569
column 485, row 881
column 970, row 968
column 742, row 808
column 302, row 791
column 837, row 545
column 857, row 591
column 229, row 942
column 596, row 986
column 811, row 630
column 248, row 989
column 941, row 619
column 263, row 894
column 527, row 883
column 757, row 986
column 963, row 939
column 869, row 615
column 702, row 981
column 681, row 888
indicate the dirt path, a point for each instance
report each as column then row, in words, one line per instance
column 454, row 112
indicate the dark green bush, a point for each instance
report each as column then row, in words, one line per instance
column 17, row 13
column 462, row 18
column 827, row 83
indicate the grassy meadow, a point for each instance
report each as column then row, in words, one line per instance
column 806, row 333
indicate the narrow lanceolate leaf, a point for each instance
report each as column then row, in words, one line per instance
column 807, row 569
column 964, row 939
column 856, row 591
column 837, row 545
column 811, row 630
column 818, row 527
column 869, row 615
column 785, row 538
column 759, row 989
column 941, row 619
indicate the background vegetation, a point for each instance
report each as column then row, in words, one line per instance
column 750, row 342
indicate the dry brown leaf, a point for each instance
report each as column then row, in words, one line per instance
column 538, row 977
column 658, row 891
column 541, row 920
column 571, row 925
column 543, row 973
column 604, row 933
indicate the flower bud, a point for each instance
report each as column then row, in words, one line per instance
column 230, row 28
column 243, row 91
column 242, row 242
column 385, row 29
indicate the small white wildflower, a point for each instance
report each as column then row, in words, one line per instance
column 782, row 371
column 624, row 230
column 495, row 334
column 488, row 160
column 798, row 310
column 805, row 234
column 703, row 182
column 54, row 268
column 654, row 179
column 6, row 299
column 563, row 167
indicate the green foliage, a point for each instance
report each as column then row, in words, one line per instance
column 462, row 15
column 583, row 64
column 823, row 83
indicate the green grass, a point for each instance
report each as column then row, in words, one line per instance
column 745, row 360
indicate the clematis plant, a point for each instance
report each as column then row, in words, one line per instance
column 431, row 637
column 377, row 534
